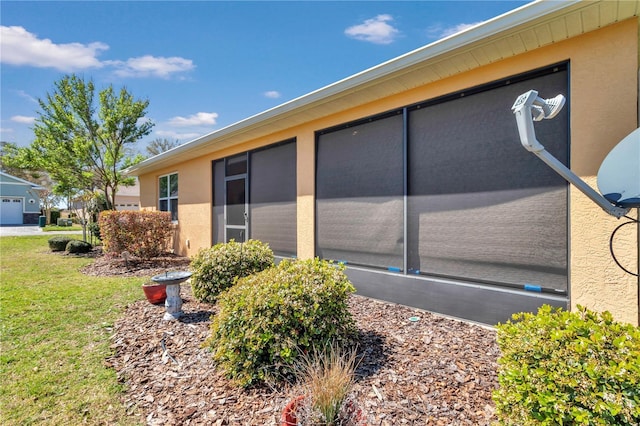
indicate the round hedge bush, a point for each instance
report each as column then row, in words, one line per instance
column 59, row 243
column 268, row 318
column 572, row 368
column 216, row 268
column 77, row 246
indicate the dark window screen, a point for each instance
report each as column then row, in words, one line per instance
column 359, row 194
column 173, row 185
column 235, row 234
column 236, row 201
column 174, row 209
column 272, row 189
column 218, row 201
column 163, row 187
column 480, row 206
column 237, row 165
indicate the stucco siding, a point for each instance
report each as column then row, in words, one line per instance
column 603, row 108
column 604, row 95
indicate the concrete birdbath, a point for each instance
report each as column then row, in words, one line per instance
column 173, row 304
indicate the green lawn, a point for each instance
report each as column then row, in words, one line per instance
column 55, row 325
column 52, row 228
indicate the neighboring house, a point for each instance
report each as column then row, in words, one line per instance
column 128, row 197
column 412, row 172
column 19, row 201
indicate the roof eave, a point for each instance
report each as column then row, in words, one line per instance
column 459, row 41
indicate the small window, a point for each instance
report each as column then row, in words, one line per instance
column 168, row 197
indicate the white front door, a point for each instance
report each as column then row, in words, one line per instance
column 11, row 211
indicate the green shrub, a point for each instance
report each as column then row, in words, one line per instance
column 561, row 367
column 94, row 229
column 144, row 234
column 59, row 243
column 54, row 216
column 64, row 222
column 268, row 318
column 215, row 268
column 78, row 246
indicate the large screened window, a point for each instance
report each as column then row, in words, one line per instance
column 445, row 189
column 480, row 206
column 359, row 193
column 168, row 195
column 255, row 197
column 272, row 197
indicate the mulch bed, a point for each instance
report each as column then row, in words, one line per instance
column 132, row 266
column 435, row 371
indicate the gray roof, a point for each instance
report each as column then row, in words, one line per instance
column 18, row 180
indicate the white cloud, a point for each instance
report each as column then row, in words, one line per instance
column 169, row 134
column 376, row 30
column 23, row 119
column 26, row 96
column 438, row 31
column 272, row 94
column 198, row 119
column 20, row 47
column 6, row 130
column 154, row 66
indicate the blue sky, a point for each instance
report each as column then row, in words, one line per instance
column 206, row 65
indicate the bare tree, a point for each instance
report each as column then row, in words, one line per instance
column 160, row 145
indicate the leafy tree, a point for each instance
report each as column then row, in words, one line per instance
column 84, row 142
column 9, row 163
column 160, row 145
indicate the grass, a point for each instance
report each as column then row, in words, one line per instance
column 55, row 228
column 54, row 336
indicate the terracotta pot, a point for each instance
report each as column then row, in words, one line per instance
column 156, row 293
column 288, row 417
column 289, row 413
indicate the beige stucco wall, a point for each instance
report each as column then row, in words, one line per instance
column 604, row 95
column 603, row 109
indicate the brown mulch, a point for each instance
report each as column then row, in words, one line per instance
column 132, row 266
column 433, row 371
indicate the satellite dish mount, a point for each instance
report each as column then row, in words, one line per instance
column 529, row 107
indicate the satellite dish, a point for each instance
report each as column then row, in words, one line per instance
column 619, row 174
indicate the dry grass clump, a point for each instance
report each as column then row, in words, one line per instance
column 327, row 378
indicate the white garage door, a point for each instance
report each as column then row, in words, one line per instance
column 10, row 211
